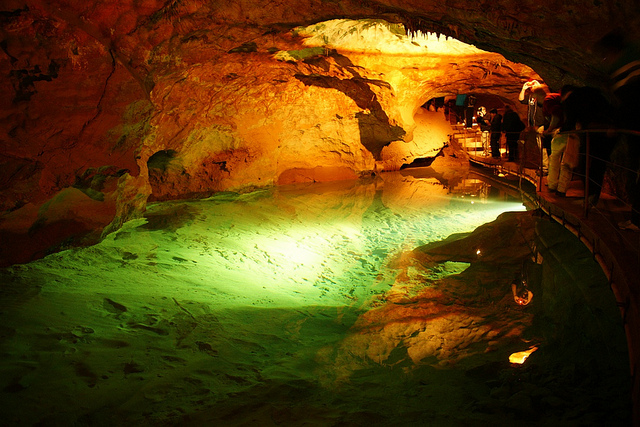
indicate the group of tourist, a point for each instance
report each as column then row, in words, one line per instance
column 494, row 125
column 562, row 124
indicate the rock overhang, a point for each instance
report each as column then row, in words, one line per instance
column 110, row 84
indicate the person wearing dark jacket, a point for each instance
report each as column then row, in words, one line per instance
column 485, row 127
column 512, row 125
column 586, row 108
column 621, row 55
column 532, row 94
column 495, row 120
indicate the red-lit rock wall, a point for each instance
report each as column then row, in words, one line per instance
column 109, row 104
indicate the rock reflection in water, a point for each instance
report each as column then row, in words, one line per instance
column 343, row 303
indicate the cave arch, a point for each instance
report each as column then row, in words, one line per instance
column 414, row 67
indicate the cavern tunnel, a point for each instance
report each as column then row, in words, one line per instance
column 259, row 213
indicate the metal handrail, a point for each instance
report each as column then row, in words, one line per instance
column 611, row 132
column 623, row 284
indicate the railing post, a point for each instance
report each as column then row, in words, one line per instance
column 464, row 141
column 587, row 166
column 539, row 141
column 475, row 144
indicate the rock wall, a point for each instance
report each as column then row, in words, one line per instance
column 142, row 100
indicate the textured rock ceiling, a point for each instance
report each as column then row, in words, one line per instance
column 109, row 103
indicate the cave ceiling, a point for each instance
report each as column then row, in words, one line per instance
column 554, row 38
column 109, row 104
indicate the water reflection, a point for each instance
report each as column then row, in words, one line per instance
column 245, row 308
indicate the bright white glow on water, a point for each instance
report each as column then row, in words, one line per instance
column 324, row 244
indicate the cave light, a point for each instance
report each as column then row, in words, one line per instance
column 377, row 36
column 520, row 357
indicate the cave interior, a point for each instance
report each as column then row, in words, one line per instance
column 126, row 123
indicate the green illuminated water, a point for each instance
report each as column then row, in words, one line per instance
column 261, row 309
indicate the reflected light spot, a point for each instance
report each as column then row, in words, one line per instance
column 519, row 357
column 521, row 296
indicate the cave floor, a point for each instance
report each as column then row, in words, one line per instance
column 307, row 305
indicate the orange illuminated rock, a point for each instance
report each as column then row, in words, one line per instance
column 241, row 96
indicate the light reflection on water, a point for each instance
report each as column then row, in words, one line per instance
column 309, row 244
column 226, row 308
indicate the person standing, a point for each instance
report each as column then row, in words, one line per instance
column 495, row 121
column 571, row 154
column 450, row 111
column 621, row 55
column 485, row 127
column 532, row 94
column 512, row 125
column 586, row 108
column 554, row 117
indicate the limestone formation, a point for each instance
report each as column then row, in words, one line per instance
column 185, row 98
